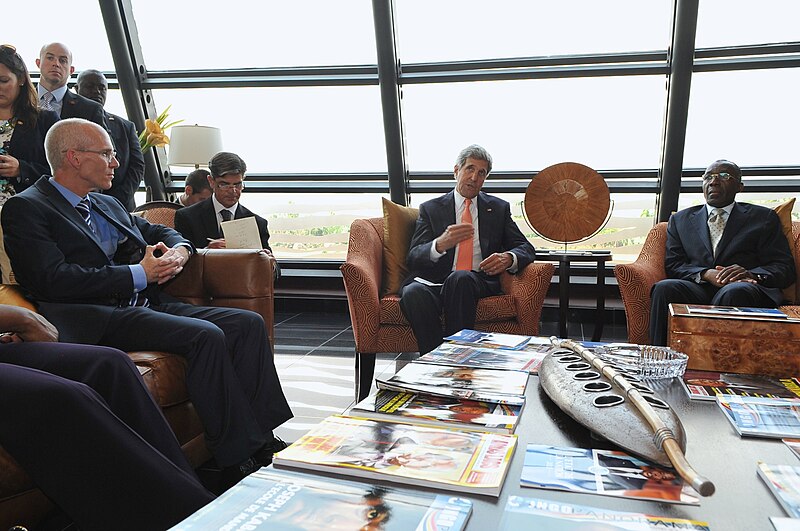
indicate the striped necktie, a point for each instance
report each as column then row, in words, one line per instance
column 83, row 209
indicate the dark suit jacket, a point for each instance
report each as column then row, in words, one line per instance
column 753, row 239
column 198, row 222
column 131, row 161
column 498, row 233
column 58, row 259
column 76, row 106
column 27, row 146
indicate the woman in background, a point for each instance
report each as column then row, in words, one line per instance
column 22, row 126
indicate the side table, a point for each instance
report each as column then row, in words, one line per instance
column 565, row 259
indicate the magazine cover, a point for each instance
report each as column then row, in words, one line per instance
column 784, row 482
column 734, row 311
column 535, row 513
column 488, row 358
column 450, row 459
column 706, row 385
column 282, row 501
column 489, row 339
column 490, row 385
column 762, row 417
column 606, row 472
column 435, row 410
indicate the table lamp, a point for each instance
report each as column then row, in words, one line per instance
column 193, row 145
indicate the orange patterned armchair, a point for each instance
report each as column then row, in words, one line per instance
column 636, row 280
column 379, row 324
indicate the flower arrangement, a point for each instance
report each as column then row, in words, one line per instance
column 154, row 131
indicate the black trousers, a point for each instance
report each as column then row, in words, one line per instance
column 80, row 420
column 457, row 298
column 673, row 290
column 231, row 376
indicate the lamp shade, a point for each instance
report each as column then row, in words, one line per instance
column 193, row 145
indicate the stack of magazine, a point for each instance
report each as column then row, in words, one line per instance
column 762, row 417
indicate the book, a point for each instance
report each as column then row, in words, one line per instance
column 438, row 411
column 278, row 500
column 605, row 472
column 784, row 482
column 444, row 458
column 489, row 339
column 487, row 385
column 706, row 385
column 537, row 513
column 762, row 417
column 737, row 311
column 527, row 359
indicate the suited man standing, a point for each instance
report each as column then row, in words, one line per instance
column 95, row 271
column 722, row 253
column 92, row 84
column 55, row 68
column 462, row 241
column 200, row 223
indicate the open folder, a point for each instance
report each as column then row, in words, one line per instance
column 241, row 234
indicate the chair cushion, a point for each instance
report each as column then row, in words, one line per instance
column 398, row 227
column 784, row 212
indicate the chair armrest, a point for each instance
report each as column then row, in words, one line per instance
column 529, row 288
column 635, row 282
column 362, row 274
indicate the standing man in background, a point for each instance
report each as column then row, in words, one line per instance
column 92, row 84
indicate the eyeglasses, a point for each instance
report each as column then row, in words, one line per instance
column 722, row 176
column 107, row 154
column 222, row 185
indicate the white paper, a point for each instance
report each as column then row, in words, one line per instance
column 241, row 233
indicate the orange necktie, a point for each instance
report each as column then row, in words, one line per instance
column 464, row 260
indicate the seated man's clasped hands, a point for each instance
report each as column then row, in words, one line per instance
column 722, row 253
column 461, row 242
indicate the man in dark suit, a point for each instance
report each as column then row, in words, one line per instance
column 95, row 272
column 55, row 68
column 722, row 253
column 200, row 223
column 79, row 418
column 92, row 84
column 196, row 188
column 461, row 242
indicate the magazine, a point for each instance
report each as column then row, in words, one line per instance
column 706, row 385
column 606, row 472
column 487, row 385
column 782, row 523
column 444, row 458
column 737, row 311
column 527, row 359
column 536, row 513
column 277, row 500
column 784, row 482
column 438, row 411
column 762, row 417
column 489, row 339
column 794, row 446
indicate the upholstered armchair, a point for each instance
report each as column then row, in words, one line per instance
column 379, row 324
column 158, row 212
column 636, row 280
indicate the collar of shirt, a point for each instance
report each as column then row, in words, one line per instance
column 69, row 195
column 728, row 209
column 460, row 200
column 58, row 94
column 219, row 207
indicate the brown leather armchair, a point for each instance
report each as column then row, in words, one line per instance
column 379, row 324
column 213, row 277
column 636, row 280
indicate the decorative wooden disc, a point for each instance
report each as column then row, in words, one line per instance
column 567, row 202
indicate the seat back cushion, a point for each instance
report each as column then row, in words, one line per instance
column 398, row 228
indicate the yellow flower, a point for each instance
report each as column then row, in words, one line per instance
column 154, row 133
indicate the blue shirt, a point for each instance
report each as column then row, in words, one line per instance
column 58, row 97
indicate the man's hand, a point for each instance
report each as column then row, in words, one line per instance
column 453, row 235
column 496, row 263
column 722, row 275
column 9, row 166
column 169, row 263
column 22, row 324
column 219, row 243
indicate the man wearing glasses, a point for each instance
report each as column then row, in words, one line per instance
column 95, row 271
column 200, row 223
column 722, row 253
